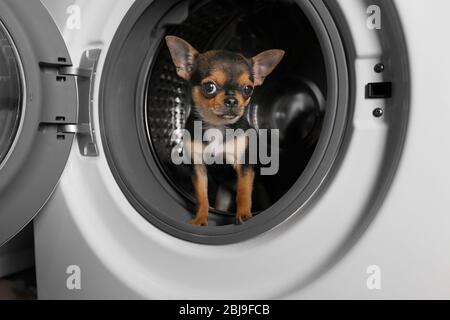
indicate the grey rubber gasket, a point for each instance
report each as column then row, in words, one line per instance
column 135, row 168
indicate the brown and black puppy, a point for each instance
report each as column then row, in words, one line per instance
column 222, row 85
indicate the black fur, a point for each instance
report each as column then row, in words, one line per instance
column 231, row 63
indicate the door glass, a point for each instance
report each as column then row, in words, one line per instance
column 10, row 94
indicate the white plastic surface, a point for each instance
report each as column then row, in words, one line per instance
column 90, row 223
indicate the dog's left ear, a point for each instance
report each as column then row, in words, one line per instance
column 183, row 56
column 264, row 63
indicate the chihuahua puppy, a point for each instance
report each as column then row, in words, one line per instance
column 222, row 85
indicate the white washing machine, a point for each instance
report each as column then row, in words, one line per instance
column 359, row 208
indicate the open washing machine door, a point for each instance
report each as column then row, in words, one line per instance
column 38, row 111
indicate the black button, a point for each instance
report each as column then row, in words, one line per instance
column 379, row 90
column 379, row 68
column 378, row 113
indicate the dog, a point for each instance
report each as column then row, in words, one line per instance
column 222, row 84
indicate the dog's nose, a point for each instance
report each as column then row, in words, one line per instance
column 231, row 102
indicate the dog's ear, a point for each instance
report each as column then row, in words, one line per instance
column 183, row 56
column 264, row 63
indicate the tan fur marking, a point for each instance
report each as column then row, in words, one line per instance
column 244, row 194
column 204, row 106
column 244, row 80
column 202, row 102
column 200, row 181
column 218, row 77
column 218, row 99
column 242, row 100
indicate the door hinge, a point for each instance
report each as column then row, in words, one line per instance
column 85, row 77
column 74, row 128
column 76, row 72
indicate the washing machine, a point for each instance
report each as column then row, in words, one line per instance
column 357, row 210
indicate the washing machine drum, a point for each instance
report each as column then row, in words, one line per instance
column 295, row 100
column 291, row 100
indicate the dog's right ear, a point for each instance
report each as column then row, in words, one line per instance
column 183, row 56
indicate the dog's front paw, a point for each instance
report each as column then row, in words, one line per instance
column 241, row 217
column 199, row 221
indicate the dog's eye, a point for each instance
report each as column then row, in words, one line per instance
column 209, row 88
column 248, row 91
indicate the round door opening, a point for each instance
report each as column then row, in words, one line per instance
column 10, row 94
column 304, row 100
column 291, row 101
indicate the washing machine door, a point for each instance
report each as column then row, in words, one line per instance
column 38, row 103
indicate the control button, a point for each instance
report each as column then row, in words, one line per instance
column 379, row 68
column 378, row 113
column 379, row 90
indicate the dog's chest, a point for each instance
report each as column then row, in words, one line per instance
column 232, row 148
column 216, row 147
